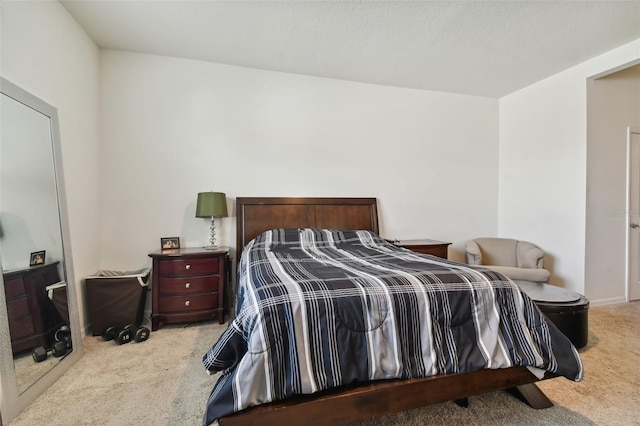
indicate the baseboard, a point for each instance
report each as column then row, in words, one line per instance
column 609, row 301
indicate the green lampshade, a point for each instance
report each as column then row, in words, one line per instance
column 211, row 204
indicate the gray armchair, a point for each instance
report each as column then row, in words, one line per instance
column 518, row 260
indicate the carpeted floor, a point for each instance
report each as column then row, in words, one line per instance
column 162, row 382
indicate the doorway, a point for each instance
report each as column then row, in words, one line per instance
column 633, row 214
column 612, row 106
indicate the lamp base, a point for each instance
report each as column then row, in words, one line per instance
column 212, row 236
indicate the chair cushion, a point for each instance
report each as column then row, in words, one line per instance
column 523, row 274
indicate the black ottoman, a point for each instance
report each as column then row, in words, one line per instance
column 568, row 310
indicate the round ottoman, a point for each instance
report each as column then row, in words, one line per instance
column 567, row 309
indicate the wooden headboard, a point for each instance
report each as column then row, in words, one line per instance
column 256, row 215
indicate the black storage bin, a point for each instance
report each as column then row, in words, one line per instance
column 115, row 299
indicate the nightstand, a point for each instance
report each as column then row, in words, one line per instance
column 189, row 284
column 432, row 247
column 31, row 315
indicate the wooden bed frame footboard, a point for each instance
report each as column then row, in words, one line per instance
column 350, row 404
column 363, row 401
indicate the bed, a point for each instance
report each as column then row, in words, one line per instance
column 330, row 323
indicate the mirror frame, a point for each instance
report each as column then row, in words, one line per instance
column 11, row 402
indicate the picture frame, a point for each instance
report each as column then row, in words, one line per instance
column 37, row 258
column 170, row 243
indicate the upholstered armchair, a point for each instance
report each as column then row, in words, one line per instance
column 523, row 263
column 518, row 260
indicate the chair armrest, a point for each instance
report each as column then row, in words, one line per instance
column 474, row 256
column 530, row 256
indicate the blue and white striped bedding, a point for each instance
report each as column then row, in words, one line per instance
column 321, row 308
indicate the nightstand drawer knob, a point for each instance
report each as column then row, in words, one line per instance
column 187, row 267
column 187, row 285
column 187, row 303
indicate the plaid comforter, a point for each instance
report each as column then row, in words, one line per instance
column 321, row 308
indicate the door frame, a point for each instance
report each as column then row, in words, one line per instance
column 629, row 214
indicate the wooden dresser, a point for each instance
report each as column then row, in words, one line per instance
column 28, row 307
column 188, row 284
column 432, row 247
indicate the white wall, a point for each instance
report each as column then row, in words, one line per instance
column 543, row 168
column 613, row 105
column 45, row 52
column 174, row 127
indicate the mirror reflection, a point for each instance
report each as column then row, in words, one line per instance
column 31, row 243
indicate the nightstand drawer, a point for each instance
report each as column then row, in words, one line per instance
column 18, row 308
column 432, row 247
column 21, row 327
column 182, row 285
column 14, row 288
column 187, row 267
column 187, row 303
column 439, row 251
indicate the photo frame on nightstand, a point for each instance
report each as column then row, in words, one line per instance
column 169, row 243
column 37, row 258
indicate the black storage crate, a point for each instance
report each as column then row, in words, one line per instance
column 115, row 299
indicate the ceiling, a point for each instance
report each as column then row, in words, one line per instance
column 484, row 48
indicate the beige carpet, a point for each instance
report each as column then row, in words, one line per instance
column 162, row 382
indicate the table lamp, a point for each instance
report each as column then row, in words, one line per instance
column 213, row 205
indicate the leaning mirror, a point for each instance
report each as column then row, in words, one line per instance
column 39, row 333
